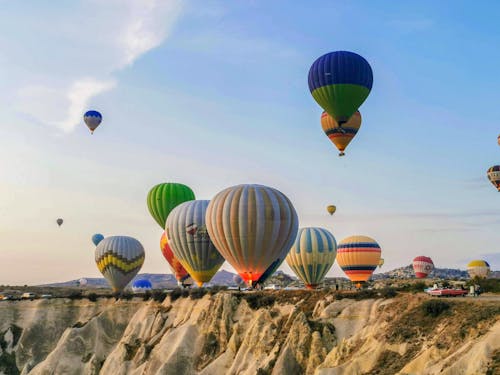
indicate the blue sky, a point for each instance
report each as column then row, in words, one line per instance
column 214, row 93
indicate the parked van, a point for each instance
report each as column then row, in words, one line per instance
column 28, row 295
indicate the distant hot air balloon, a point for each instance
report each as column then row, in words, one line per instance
column 422, row 266
column 340, row 82
column 59, row 221
column 358, row 256
column 82, row 282
column 341, row 136
column 478, row 268
column 312, row 255
column 498, row 140
column 253, row 227
column 92, row 120
column 179, row 272
column 494, row 176
column 190, row 242
column 237, row 280
column 119, row 258
column 96, row 238
column 331, row 209
column 162, row 199
column 380, row 262
column 141, row 286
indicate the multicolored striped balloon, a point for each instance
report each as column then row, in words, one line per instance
column 340, row 82
column 341, row 136
column 312, row 255
column 422, row 266
column 478, row 268
column 494, row 176
column 253, row 227
column 119, row 258
column 358, row 256
column 190, row 242
column 179, row 272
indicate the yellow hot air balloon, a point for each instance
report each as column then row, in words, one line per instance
column 331, row 209
column 478, row 268
column 341, row 136
column 358, row 256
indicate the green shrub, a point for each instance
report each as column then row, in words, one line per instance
column 92, row 297
column 388, row 293
column 174, row 294
column 76, row 294
column 258, row 300
column 216, row 289
column 435, row 307
column 159, row 295
column 146, row 296
column 197, row 293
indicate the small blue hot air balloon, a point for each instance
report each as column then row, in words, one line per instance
column 96, row 238
column 141, row 285
column 92, row 120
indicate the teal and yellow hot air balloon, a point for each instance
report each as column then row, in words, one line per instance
column 163, row 198
column 340, row 82
column 119, row 258
column 312, row 255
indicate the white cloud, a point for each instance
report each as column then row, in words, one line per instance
column 57, row 90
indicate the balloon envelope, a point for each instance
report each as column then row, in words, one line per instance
column 82, row 282
column 141, row 285
column 312, row 255
column 190, row 242
column 96, row 238
column 331, row 209
column 119, row 258
column 92, row 119
column 422, row 266
column 253, row 227
column 341, row 136
column 178, row 270
column 59, row 222
column 163, row 198
column 358, row 256
column 340, row 82
column 494, row 176
column 478, row 268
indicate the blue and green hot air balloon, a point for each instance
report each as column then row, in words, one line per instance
column 340, row 82
column 96, row 238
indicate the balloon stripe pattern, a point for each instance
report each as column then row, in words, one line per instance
column 119, row 258
column 312, row 255
column 340, row 82
column 358, row 256
column 422, row 266
column 478, row 268
column 190, row 242
column 253, row 227
column 494, row 176
column 341, row 136
column 178, row 270
column 163, row 198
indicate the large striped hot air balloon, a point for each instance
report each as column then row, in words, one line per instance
column 253, row 227
column 190, row 242
column 478, row 268
column 422, row 266
column 312, row 255
column 341, row 136
column 340, row 82
column 494, row 176
column 163, row 198
column 358, row 256
column 92, row 119
column 179, row 272
column 119, row 258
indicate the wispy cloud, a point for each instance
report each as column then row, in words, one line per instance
column 121, row 33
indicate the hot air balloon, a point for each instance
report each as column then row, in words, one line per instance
column 498, row 140
column 162, row 199
column 380, row 262
column 331, row 209
column 141, row 286
column 92, row 120
column 179, row 272
column 82, row 282
column 340, row 82
column 96, row 238
column 494, row 176
column 237, row 280
column 119, row 258
column 422, row 266
column 358, row 256
column 59, row 221
column 341, row 136
column 312, row 255
column 190, row 242
column 478, row 268
column 253, row 227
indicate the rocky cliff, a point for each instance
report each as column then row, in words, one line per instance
column 294, row 332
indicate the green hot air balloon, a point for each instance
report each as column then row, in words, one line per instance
column 163, row 198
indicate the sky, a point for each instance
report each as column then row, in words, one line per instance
column 214, row 93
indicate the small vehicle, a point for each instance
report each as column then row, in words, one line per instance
column 28, row 295
column 46, row 296
column 443, row 292
column 7, row 297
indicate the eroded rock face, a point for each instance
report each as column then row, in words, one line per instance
column 225, row 334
